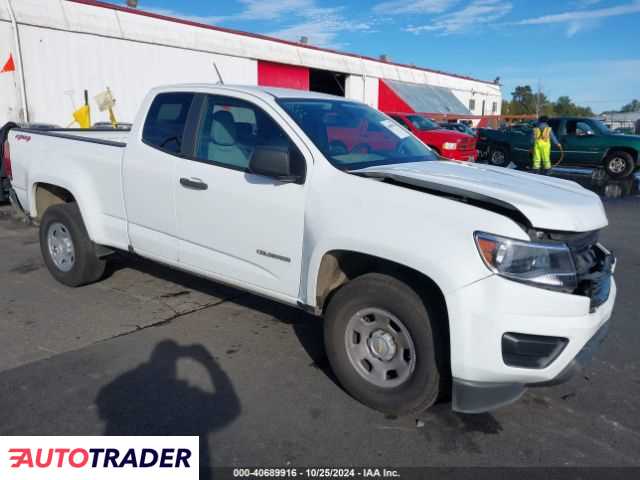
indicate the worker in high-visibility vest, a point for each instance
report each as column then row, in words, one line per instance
column 543, row 137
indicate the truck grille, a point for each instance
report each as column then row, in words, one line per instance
column 594, row 265
column 467, row 144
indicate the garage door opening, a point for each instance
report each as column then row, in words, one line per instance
column 324, row 81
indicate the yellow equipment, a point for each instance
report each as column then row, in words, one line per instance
column 82, row 116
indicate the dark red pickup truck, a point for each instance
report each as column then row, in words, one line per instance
column 448, row 143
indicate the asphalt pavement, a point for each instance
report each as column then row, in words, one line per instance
column 153, row 351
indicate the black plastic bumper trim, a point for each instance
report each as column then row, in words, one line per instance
column 531, row 351
column 480, row 397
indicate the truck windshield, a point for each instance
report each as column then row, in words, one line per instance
column 422, row 123
column 354, row 136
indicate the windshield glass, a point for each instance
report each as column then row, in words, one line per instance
column 354, row 136
column 422, row 123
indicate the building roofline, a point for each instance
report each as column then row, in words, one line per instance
column 135, row 11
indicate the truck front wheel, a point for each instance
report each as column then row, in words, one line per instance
column 66, row 247
column 381, row 345
column 498, row 156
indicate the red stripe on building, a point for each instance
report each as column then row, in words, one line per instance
column 280, row 75
column 390, row 101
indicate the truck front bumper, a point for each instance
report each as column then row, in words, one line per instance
column 480, row 316
column 461, row 155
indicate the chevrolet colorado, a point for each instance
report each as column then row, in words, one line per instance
column 433, row 277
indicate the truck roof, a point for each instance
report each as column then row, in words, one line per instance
column 259, row 91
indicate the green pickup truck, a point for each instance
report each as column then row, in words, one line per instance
column 586, row 142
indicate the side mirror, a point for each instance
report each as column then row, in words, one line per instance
column 283, row 163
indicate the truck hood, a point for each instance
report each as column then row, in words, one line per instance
column 547, row 203
column 444, row 135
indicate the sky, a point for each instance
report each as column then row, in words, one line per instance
column 586, row 49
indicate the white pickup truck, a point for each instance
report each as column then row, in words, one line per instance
column 434, row 278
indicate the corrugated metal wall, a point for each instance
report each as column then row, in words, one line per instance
column 9, row 104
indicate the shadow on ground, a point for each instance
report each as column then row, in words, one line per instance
column 307, row 327
column 152, row 400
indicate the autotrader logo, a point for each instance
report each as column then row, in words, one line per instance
column 100, row 458
column 104, row 457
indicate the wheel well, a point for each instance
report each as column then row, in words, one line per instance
column 47, row 195
column 340, row 266
column 630, row 151
column 502, row 145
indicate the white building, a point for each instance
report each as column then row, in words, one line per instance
column 62, row 47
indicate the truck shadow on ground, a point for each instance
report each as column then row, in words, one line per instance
column 152, row 400
column 451, row 431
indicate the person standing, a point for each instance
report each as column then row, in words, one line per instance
column 543, row 137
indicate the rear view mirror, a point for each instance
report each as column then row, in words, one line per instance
column 280, row 162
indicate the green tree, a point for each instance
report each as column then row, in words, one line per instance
column 523, row 101
column 634, row 106
column 506, row 107
column 564, row 107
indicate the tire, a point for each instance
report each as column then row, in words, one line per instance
column 338, row 148
column 376, row 292
column 498, row 156
column 76, row 263
column 619, row 164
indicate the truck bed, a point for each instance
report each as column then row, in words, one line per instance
column 85, row 162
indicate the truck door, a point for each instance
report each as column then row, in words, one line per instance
column 232, row 225
column 521, row 143
column 581, row 143
column 148, row 176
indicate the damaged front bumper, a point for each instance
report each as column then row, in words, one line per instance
column 530, row 337
column 479, row 397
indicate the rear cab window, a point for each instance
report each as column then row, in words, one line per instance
column 165, row 123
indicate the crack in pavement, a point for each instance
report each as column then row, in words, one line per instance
column 170, row 319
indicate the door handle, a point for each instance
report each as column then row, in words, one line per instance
column 193, row 183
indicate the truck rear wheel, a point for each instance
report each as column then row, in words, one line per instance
column 619, row 164
column 66, row 247
column 381, row 345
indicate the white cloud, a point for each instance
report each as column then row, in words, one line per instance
column 578, row 20
column 401, row 7
column 272, row 9
column 474, row 15
column 321, row 25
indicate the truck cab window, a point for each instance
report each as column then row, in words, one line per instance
column 579, row 129
column 166, row 120
column 230, row 129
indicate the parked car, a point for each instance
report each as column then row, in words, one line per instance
column 458, row 127
column 447, row 143
column 585, row 142
column 433, row 277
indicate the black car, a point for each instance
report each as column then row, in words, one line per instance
column 459, row 127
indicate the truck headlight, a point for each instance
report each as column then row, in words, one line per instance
column 449, row 146
column 546, row 265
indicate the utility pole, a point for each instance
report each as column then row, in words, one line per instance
column 539, row 99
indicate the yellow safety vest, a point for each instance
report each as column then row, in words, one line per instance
column 542, row 134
